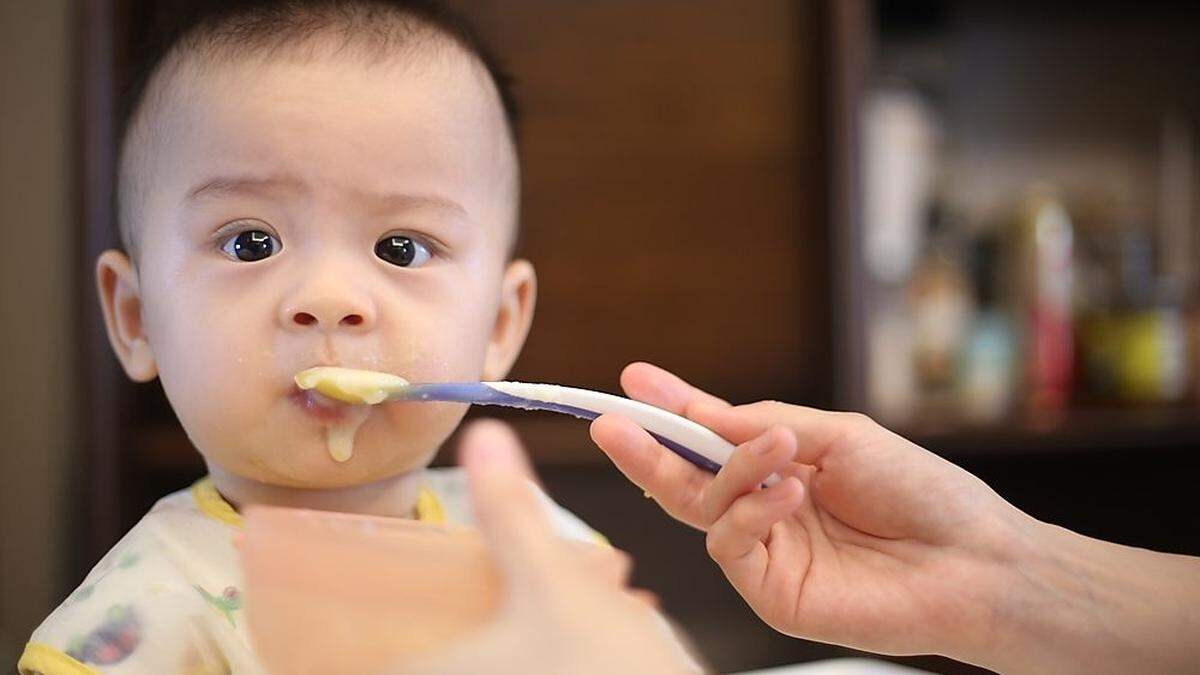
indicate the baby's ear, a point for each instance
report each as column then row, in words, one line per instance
column 518, row 295
column 121, row 300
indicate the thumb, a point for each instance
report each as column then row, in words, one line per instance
column 508, row 509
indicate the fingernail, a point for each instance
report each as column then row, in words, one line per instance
column 782, row 494
column 761, row 445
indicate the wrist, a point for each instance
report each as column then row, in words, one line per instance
column 1008, row 591
column 1034, row 606
column 1073, row 604
column 1045, row 609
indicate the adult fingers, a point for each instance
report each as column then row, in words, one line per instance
column 751, row 464
column 508, row 510
column 735, row 541
column 661, row 388
column 674, row 482
column 815, row 430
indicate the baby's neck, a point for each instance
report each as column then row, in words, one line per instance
column 394, row 497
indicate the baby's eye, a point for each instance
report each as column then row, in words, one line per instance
column 251, row 246
column 402, row 251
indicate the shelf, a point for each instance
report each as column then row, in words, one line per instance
column 1081, row 430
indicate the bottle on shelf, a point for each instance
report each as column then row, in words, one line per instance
column 1044, row 268
column 987, row 362
column 1132, row 336
column 942, row 308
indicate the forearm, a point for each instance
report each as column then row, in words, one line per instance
column 1077, row 604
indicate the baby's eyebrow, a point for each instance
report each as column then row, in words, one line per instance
column 395, row 201
column 221, row 186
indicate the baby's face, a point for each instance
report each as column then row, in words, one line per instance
column 327, row 212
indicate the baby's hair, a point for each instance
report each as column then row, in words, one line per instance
column 211, row 29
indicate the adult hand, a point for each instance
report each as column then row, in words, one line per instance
column 873, row 542
column 565, row 605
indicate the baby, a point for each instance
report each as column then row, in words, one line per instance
column 303, row 183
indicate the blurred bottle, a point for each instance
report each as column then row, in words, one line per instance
column 899, row 143
column 1153, row 363
column 1044, row 243
column 1193, row 351
column 1114, row 264
column 1177, row 231
column 1134, row 348
column 942, row 306
column 987, row 373
column 891, row 378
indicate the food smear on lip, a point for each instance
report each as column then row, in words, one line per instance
column 350, row 385
column 354, row 387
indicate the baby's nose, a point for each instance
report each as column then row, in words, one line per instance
column 328, row 312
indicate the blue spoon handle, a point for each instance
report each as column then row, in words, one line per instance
column 480, row 393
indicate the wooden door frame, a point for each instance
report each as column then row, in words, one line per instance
column 102, row 406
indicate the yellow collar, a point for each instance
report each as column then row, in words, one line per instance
column 212, row 504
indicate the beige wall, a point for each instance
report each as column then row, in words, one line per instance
column 37, row 343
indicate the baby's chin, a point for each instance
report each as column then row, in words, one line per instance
column 386, row 444
column 314, row 469
column 295, row 449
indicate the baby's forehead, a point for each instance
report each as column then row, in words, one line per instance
column 434, row 78
column 389, row 110
column 437, row 87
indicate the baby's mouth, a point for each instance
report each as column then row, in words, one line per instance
column 319, row 405
column 339, row 421
column 355, row 391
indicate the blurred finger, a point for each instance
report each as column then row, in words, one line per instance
column 647, row 598
column 609, row 565
column 509, row 512
column 674, row 482
column 751, row 463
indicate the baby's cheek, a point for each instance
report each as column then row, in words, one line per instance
column 221, row 419
column 224, row 392
column 419, row 429
column 446, row 344
column 216, row 384
column 450, row 361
